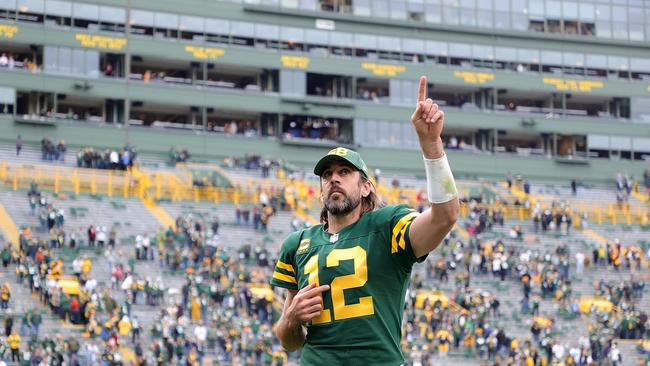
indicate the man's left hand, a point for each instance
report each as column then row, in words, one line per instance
column 428, row 121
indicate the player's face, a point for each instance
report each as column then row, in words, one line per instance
column 341, row 188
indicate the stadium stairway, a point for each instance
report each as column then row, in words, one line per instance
column 8, row 226
column 163, row 217
column 129, row 217
column 17, row 206
column 279, row 227
column 593, row 194
column 30, row 155
column 22, row 300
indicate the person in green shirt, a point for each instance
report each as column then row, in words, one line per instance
column 24, row 322
column 6, row 257
column 64, row 309
column 347, row 278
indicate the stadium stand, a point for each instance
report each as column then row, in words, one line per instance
column 459, row 309
column 154, row 155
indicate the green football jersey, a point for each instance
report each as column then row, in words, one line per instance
column 367, row 265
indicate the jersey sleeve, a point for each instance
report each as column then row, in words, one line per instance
column 399, row 221
column 284, row 274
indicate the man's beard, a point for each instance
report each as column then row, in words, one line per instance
column 343, row 206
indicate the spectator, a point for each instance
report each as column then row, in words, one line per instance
column 178, row 155
column 14, row 345
column 19, row 145
column 574, row 187
column 108, row 70
column 5, row 295
column 123, row 159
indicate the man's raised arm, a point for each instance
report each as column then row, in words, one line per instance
column 430, row 228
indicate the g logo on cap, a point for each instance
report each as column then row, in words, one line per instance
column 339, row 151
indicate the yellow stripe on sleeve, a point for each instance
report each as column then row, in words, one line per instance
column 285, row 266
column 400, row 228
column 402, row 238
column 285, row 278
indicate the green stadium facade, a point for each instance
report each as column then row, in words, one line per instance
column 548, row 89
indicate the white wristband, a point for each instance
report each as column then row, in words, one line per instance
column 441, row 186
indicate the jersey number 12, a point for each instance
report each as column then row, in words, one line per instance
column 339, row 284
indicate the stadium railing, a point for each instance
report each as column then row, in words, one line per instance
column 178, row 186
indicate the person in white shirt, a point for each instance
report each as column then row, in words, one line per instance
column 4, row 60
column 127, row 283
column 51, row 284
column 94, row 352
column 101, row 236
column 201, row 334
column 453, row 142
column 558, row 351
column 90, row 285
column 615, row 355
column 110, row 258
column 138, row 247
column 76, row 267
column 496, row 265
column 580, row 262
column 115, row 159
column 135, row 329
column 264, row 198
column 476, row 262
column 145, row 246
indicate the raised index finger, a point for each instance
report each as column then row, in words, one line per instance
column 316, row 290
column 422, row 90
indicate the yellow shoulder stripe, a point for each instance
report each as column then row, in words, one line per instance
column 402, row 238
column 284, row 277
column 399, row 230
column 285, row 266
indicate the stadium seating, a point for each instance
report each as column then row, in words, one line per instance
column 132, row 219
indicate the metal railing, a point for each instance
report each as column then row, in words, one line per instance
column 178, row 186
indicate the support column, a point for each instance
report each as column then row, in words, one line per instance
column 204, row 117
column 127, row 74
column 573, row 146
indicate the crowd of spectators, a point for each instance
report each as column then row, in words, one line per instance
column 53, row 151
column 178, row 155
column 51, row 218
column 544, row 276
column 8, row 60
column 223, row 310
column 114, row 159
column 248, row 128
column 376, row 95
column 314, row 128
